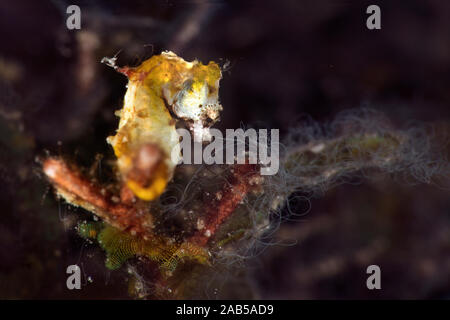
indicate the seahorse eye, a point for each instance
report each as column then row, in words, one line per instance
column 190, row 100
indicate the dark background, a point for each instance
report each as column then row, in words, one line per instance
column 285, row 59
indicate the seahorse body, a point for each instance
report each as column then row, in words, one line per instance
column 160, row 87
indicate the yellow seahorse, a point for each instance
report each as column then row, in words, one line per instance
column 160, row 90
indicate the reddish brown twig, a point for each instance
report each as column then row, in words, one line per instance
column 78, row 190
column 245, row 178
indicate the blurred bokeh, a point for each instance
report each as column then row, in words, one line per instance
column 283, row 59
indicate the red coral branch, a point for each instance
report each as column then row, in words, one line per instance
column 245, row 178
column 78, row 190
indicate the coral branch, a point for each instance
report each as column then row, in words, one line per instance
column 245, row 178
column 79, row 191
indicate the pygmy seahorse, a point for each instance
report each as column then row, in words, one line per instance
column 160, row 90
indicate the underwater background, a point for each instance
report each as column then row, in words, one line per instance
column 285, row 60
